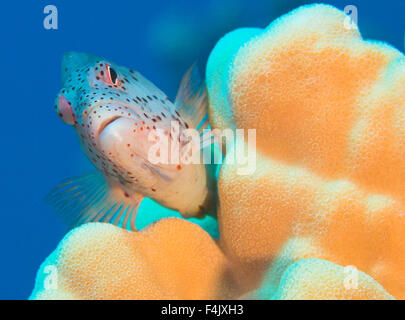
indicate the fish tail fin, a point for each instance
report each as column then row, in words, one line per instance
column 91, row 198
column 191, row 100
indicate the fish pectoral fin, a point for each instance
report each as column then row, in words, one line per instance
column 191, row 99
column 92, row 198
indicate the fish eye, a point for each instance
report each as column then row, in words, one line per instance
column 112, row 76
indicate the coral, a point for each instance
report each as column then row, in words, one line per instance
column 314, row 279
column 150, row 211
column 171, row 259
column 329, row 112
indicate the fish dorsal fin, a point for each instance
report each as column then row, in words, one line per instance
column 92, row 198
column 191, row 99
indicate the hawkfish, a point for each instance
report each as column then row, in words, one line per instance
column 115, row 111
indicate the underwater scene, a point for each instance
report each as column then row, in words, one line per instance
column 203, row 150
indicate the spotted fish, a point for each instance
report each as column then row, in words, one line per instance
column 115, row 111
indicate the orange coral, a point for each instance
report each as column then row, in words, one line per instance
column 311, row 279
column 171, row 259
column 329, row 110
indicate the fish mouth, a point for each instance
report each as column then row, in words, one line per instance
column 106, row 123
